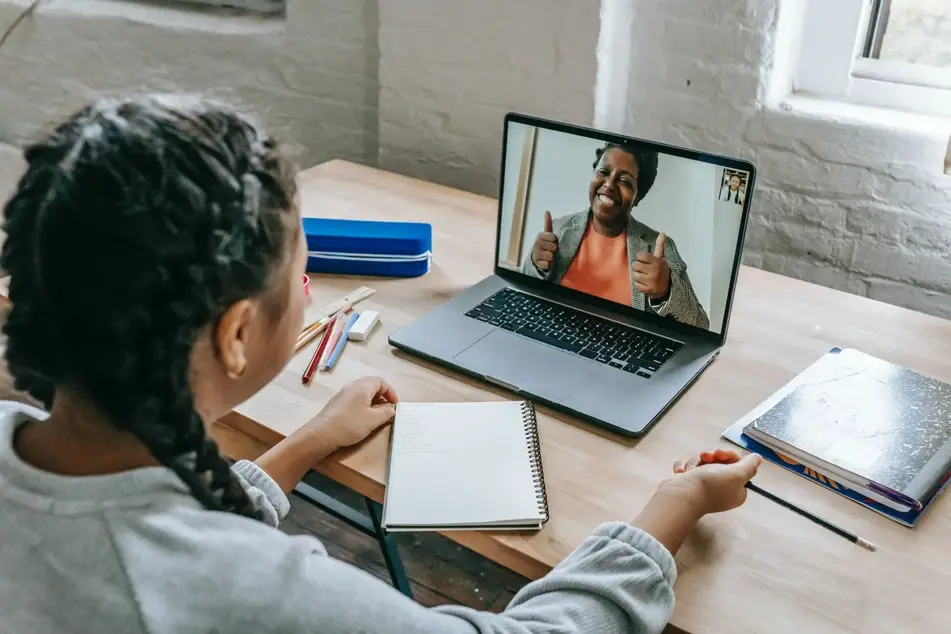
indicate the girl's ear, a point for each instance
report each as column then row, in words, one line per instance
column 231, row 337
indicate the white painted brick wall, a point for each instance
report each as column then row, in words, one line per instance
column 312, row 78
column 851, row 199
column 11, row 166
column 449, row 71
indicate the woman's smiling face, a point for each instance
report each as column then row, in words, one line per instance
column 613, row 187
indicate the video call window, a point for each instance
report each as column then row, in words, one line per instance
column 624, row 223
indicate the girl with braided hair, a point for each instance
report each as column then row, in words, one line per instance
column 155, row 249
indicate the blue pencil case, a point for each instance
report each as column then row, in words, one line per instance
column 367, row 247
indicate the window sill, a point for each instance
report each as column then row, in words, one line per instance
column 931, row 129
column 830, row 108
column 876, row 92
column 902, row 73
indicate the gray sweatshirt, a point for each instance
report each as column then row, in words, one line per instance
column 133, row 552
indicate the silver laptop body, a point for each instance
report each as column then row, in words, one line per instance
column 571, row 336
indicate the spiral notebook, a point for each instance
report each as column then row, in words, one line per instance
column 465, row 466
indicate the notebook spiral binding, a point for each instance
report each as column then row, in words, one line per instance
column 535, row 449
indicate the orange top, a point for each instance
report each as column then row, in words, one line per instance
column 601, row 268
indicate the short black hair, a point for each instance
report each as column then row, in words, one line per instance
column 138, row 222
column 646, row 165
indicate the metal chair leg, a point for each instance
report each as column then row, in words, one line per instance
column 372, row 526
column 388, row 546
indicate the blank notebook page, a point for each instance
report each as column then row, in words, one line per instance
column 460, row 464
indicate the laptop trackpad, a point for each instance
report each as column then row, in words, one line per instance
column 523, row 364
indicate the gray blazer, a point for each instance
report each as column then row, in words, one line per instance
column 682, row 304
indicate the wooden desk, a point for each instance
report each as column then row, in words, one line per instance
column 759, row 568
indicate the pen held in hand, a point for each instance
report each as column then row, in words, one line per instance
column 855, row 539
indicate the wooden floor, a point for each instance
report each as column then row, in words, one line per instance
column 440, row 571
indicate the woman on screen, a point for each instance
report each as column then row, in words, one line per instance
column 604, row 251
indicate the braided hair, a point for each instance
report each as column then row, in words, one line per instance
column 137, row 224
column 646, row 165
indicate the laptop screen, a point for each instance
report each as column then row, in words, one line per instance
column 642, row 225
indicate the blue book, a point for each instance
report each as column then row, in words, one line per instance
column 873, row 432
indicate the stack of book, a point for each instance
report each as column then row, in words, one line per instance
column 869, row 430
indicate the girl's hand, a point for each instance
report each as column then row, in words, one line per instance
column 708, row 482
column 355, row 412
column 351, row 415
column 715, row 479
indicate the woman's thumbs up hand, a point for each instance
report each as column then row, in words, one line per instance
column 545, row 247
column 651, row 273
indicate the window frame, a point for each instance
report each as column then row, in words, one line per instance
column 836, row 36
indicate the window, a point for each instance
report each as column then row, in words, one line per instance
column 264, row 7
column 914, row 31
column 888, row 53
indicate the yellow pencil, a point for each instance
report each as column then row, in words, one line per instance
column 310, row 333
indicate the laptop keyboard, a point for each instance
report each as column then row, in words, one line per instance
column 574, row 331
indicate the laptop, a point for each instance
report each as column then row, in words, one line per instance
column 615, row 266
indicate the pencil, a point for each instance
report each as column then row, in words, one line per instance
column 314, row 326
column 333, row 336
column 855, row 539
column 341, row 343
column 310, row 332
column 312, row 366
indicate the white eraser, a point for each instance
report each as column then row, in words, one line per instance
column 363, row 325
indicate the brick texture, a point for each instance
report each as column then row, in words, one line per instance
column 450, row 71
column 311, row 77
column 11, row 166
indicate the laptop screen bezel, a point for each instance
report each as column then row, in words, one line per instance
column 607, row 305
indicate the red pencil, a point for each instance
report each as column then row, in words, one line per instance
column 312, row 366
